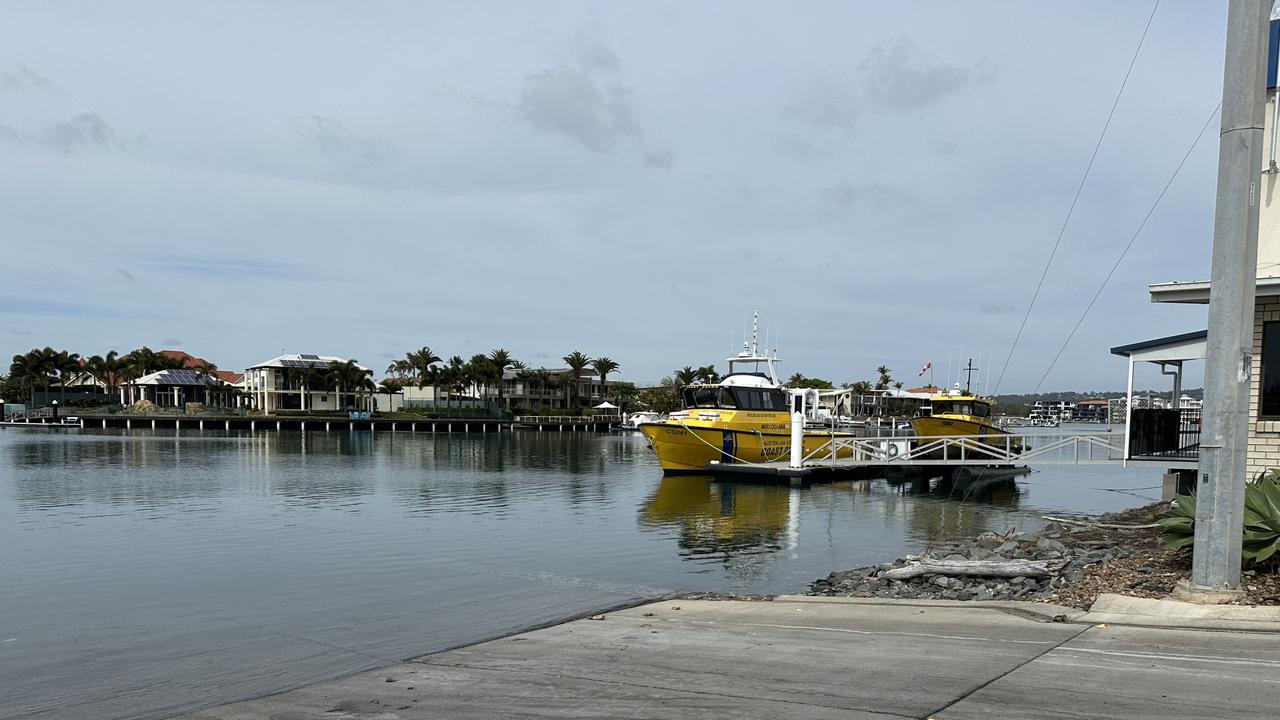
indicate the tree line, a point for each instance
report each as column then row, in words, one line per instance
column 667, row 395
column 424, row 368
column 42, row 367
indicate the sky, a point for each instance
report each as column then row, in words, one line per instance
column 884, row 181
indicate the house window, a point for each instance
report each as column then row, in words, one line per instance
column 1269, row 400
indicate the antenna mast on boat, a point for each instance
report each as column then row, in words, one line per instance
column 968, row 376
column 755, row 328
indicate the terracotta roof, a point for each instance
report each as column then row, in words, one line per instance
column 228, row 376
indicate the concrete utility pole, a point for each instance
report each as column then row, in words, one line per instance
column 1224, row 439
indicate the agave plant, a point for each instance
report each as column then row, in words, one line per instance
column 1261, row 539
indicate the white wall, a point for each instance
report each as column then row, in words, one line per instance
column 1269, row 211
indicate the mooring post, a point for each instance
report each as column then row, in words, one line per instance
column 797, row 439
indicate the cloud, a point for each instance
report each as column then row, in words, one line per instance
column 895, row 75
column 18, row 331
column 24, row 78
column 661, row 158
column 827, row 103
column 87, row 130
column 587, row 102
column 171, row 342
column 223, row 267
column 331, row 138
column 127, row 275
column 899, row 75
column 995, row 309
column 844, row 196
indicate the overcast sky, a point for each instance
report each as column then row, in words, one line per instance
column 884, row 180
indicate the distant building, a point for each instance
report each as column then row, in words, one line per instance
column 1093, row 410
column 1060, row 410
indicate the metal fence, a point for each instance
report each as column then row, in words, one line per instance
column 1159, row 434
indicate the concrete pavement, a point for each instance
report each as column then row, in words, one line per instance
column 811, row 658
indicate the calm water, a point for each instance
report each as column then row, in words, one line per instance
column 147, row 574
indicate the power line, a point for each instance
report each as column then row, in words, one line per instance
column 1062, row 231
column 1124, row 252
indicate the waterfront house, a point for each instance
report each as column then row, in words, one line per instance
column 299, row 382
column 547, row 388
column 177, row 388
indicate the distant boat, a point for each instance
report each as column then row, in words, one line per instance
column 633, row 421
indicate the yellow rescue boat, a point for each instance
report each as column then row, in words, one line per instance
column 962, row 413
column 743, row 418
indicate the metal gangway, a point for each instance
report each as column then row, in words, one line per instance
column 1008, row 450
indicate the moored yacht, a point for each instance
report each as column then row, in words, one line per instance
column 743, row 418
column 963, row 413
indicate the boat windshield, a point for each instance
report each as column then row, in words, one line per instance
column 733, row 398
column 961, row 407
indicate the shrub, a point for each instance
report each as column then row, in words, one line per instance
column 1261, row 540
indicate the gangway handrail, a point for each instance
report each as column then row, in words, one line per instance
column 999, row 449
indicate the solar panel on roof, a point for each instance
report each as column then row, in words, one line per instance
column 179, row 377
column 309, row 357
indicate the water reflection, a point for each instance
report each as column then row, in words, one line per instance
column 726, row 521
column 720, row 519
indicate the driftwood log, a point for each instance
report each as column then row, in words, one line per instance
column 976, row 568
column 1107, row 526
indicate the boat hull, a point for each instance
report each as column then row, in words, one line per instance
column 691, row 448
column 936, row 427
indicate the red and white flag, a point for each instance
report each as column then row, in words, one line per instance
column 927, row 367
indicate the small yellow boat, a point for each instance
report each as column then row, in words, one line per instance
column 743, row 418
column 963, row 413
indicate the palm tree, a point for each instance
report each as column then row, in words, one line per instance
column 481, row 372
column 207, row 373
column 348, row 375
column 503, row 361
column 862, row 387
column 551, row 381
column 685, row 376
column 885, row 377
column 708, row 374
column 67, row 365
column 310, row 376
column 420, row 361
column 603, row 366
column 400, row 368
column 106, row 369
column 455, row 375
column 26, row 369
column 577, row 362
column 421, row 364
column 45, row 362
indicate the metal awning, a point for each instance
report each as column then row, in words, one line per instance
column 1167, row 352
column 1187, row 346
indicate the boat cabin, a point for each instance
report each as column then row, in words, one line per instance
column 725, row 397
column 970, row 406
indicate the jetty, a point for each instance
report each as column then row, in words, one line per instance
column 255, row 423
column 957, row 456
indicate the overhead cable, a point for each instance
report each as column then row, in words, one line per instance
column 1079, row 189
